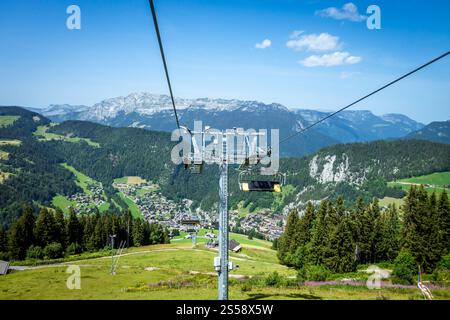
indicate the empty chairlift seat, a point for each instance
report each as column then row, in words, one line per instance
column 249, row 182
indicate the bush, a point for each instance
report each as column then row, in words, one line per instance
column 313, row 273
column 442, row 271
column 35, row 252
column 73, row 248
column 404, row 268
column 274, row 280
column 445, row 262
column 246, row 287
column 53, row 251
column 317, row 273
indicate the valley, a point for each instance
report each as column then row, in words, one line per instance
column 96, row 174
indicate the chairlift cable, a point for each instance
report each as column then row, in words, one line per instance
column 366, row 96
column 161, row 49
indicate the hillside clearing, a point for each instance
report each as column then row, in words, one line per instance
column 82, row 180
column 4, row 155
column 4, row 176
column 435, row 182
column 10, row 142
column 131, row 205
column 6, row 121
column 44, row 135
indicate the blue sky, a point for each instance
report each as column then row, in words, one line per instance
column 211, row 52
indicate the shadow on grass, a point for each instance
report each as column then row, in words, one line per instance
column 258, row 296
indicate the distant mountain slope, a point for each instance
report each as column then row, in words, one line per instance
column 435, row 131
column 30, row 173
column 154, row 112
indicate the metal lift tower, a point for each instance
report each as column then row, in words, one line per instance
column 223, row 224
column 246, row 146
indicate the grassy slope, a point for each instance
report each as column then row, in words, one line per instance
column 131, row 205
column 438, row 180
column 63, row 203
column 173, row 263
column 242, row 239
column 10, row 142
column 6, row 121
column 42, row 132
column 82, row 181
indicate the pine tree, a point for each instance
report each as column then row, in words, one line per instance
column 21, row 235
column 99, row 239
column 74, row 229
column 45, row 229
column 443, row 211
column 89, row 233
column 60, row 228
column 358, row 225
column 389, row 246
column 376, row 233
column 320, row 235
column 342, row 257
column 364, row 234
column 288, row 240
column 305, row 225
column 138, row 233
column 419, row 228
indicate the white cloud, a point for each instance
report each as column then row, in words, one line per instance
column 330, row 60
column 264, row 44
column 313, row 42
column 348, row 12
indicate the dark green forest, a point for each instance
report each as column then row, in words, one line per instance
column 334, row 239
column 51, row 235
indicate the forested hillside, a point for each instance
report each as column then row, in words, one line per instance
column 35, row 149
column 330, row 238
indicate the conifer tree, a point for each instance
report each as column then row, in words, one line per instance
column 388, row 247
column 138, row 232
column 443, row 209
column 419, row 228
column 287, row 242
column 45, row 229
column 60, row 228
column 74, row 229
column 342, row 256
column 21, row 235
column 365, row 235
column 320, row 235
column 305, row 225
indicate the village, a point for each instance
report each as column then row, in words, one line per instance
column 263, row 222
column 156, row 208
column 87, row 202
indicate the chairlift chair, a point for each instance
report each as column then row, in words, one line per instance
column 249, row 181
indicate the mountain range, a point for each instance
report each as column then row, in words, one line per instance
column 438, row 131
column 154, row 112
